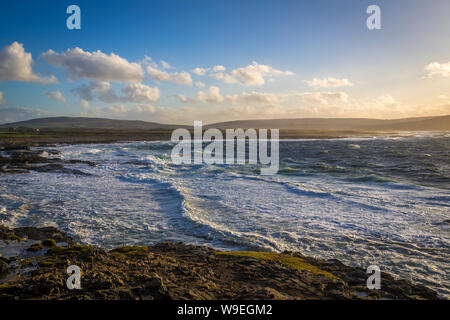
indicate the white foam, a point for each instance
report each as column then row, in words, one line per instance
column 233, row 207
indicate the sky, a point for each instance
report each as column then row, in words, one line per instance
column 214, row 60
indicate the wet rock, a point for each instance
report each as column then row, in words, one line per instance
column 20, row 160
column 89, row 163
column 58, row 168
column 35, row 247
column 3, row 266
column 49, row 243
column 15, row 146
column 42, row 234
column 179, row 271
column 7, row 234
column 13, row 171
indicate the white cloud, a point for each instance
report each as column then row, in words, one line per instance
column 212, row 96
column 147, row 61
column 138, row 92
column 95, row 65
column 89, row 111
column 380, row 107
column 2, row 100
column 323, row 98
column 144, row 108
column 329, row 82
column 84, row 104
column 133, row 92
column 199, row 84
column 96, row 90
column 200, row 71
column 158, row 75
column 219, row 68
column 251, row 75
column 253, row 97
column 165, row 65
column 182, row 98
column 183, row 78
column 438, row 69
column 15, row 65
column 118, row 109
column 386, row 100
column 57, row 95
column 255, row 73
column 225, row 77
column 443, row 97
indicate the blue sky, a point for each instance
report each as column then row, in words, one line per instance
column 271, row 52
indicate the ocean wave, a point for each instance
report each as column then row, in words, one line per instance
column 371, row 178
column 379, row 204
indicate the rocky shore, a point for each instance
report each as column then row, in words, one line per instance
column 35, row 260
column 19, row 159
column 33, row 263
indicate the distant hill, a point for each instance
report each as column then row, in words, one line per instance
column 439, row 123
column 88, row 123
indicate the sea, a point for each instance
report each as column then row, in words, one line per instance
column 382, row 200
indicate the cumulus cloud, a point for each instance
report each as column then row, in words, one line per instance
column 181, row 98
column 138, row 92
column 57, row 95
column 88, row 110
column 2, row 100
column 121, row 108
column 384, row 106
column 386, row 100
column 84, row 104
column 200, row 71
column 378, row 107
column 102, row 90
column 438, row 69
column 251, row 75
column 165, row 65
column 219, row 68
column 212, row 96
column 138, row 111
column 16, row 65
column 253, row 97
column 225, row 77
column 158, row 75
column 323, row 98
column 96, row 90
column 187, row 114
column 95, row 65
column 183, row 78
column 199, row 84
column 328, row 82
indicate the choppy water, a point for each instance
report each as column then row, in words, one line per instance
column 364, row 201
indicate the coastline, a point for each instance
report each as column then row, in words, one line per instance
column 176, row 271
column 129, row 272
column 53, row 137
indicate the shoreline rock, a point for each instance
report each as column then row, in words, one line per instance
column 20, row 159
column 179, row 271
